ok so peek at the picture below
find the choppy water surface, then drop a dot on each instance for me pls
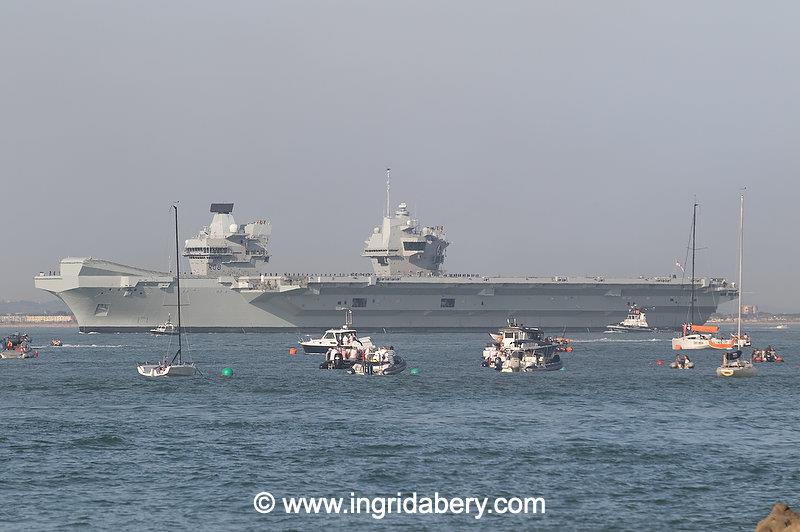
(613, 441)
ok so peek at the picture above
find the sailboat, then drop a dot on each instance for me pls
(694, 336)
(732, 363)
(175, 367)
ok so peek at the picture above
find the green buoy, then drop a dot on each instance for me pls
(414, 371)
(226, 372)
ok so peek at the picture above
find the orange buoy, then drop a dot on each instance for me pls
(292, 351)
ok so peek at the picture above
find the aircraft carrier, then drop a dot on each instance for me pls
(228, 289)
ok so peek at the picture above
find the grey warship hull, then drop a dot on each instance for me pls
(110, 297)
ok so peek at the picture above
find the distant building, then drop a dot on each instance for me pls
(749, 310)
(41, 319)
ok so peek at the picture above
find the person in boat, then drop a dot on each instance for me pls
(733, 356)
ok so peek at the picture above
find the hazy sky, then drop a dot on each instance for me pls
(547, 137)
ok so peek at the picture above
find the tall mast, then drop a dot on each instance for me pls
(178, 278)
(388, 181)
(694, 251)
(741, 253)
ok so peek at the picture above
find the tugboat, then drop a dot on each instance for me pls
(383, 361)
(517, 348)
(345, 336)
(17, 346)
(165, 328)
(635, 322)
(767, 354)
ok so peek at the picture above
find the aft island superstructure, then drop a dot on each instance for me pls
(229, 290)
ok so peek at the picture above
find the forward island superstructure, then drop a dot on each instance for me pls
(229, 289)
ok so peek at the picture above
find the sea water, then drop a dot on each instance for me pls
(614, 441)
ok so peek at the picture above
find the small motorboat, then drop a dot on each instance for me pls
(734, 366)
(166, 328)
(681, 362)
(539, 362)
(16, 346)
(344, 358)
(383, 361)
(55, 342)
(345, 336)
(767, 354)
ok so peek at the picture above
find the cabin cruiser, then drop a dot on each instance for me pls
(734, 366)
(682, 361)
(345, 336)
(518, 348)
(383, 361)
(55, 342)
(17, 346)
(635, 322)
(767, 354)
(165, 328)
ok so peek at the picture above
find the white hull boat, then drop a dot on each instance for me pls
(167, 370)
(690, 342)
(732, 363)
(383, 362)
(743, 369)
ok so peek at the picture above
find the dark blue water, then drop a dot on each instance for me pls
(613, 442)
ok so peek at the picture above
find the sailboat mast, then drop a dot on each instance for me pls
(741, 254)
(694, 251)
(178, 280)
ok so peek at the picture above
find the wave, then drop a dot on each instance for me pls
(78, 346)
(619, 340)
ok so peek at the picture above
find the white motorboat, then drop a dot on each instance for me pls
(165, 328)
(518, 348)
(175, 367)
(636, 321)
(383, 361)
(342, 337)
(732, 363)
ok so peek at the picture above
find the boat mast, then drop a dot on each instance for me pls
(694, 251)
(178, 280)
(741, 253)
